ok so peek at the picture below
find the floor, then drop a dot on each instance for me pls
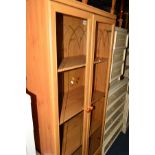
(120, 146)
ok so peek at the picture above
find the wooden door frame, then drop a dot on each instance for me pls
(68, 10)
(105, 20)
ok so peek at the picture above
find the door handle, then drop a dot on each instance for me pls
(90, 108)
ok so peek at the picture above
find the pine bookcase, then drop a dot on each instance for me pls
(69, 46)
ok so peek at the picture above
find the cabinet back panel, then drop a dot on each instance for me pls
(100, 74)
(71, 92)
(71, 135)
(95, 141)
(97, 115)
(71, 36)
(70, 80)
(103, 38)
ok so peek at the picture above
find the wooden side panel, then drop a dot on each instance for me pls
(38, 72)
(42, 63)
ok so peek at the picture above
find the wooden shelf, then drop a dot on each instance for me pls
(97, 95)
(100, 60)
(72, 63)
(73, 103)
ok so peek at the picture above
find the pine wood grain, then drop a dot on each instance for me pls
(72, 104)
(72, 135)
(74, 62)
(100, 60)
(88, 8)
(40, 77)
(95, 141)
(96, 115)
(97, 95)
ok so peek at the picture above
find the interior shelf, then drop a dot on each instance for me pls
(73, 62)
(72, 104)
(100, 60)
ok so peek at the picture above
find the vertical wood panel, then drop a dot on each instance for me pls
(90, 60)
(54, 79)
(38, 70)
(108, 78)
(85, 1)
(107, 69)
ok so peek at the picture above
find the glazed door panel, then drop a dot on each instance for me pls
(71, 32)
(100, 76)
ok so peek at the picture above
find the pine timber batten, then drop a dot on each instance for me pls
(53, 77)
(85, 7)
(92, 47)
(113, 7)
(87, 100)
(85, 1)
(107, 81)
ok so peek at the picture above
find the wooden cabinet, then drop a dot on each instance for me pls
(69, 48)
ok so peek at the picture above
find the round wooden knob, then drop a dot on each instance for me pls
(89, 109)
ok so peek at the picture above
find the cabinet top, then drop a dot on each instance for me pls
(85, 7)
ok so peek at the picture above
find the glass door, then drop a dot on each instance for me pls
(101, 61)
(72, 53)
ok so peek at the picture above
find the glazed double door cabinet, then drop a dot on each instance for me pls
(69, 46)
